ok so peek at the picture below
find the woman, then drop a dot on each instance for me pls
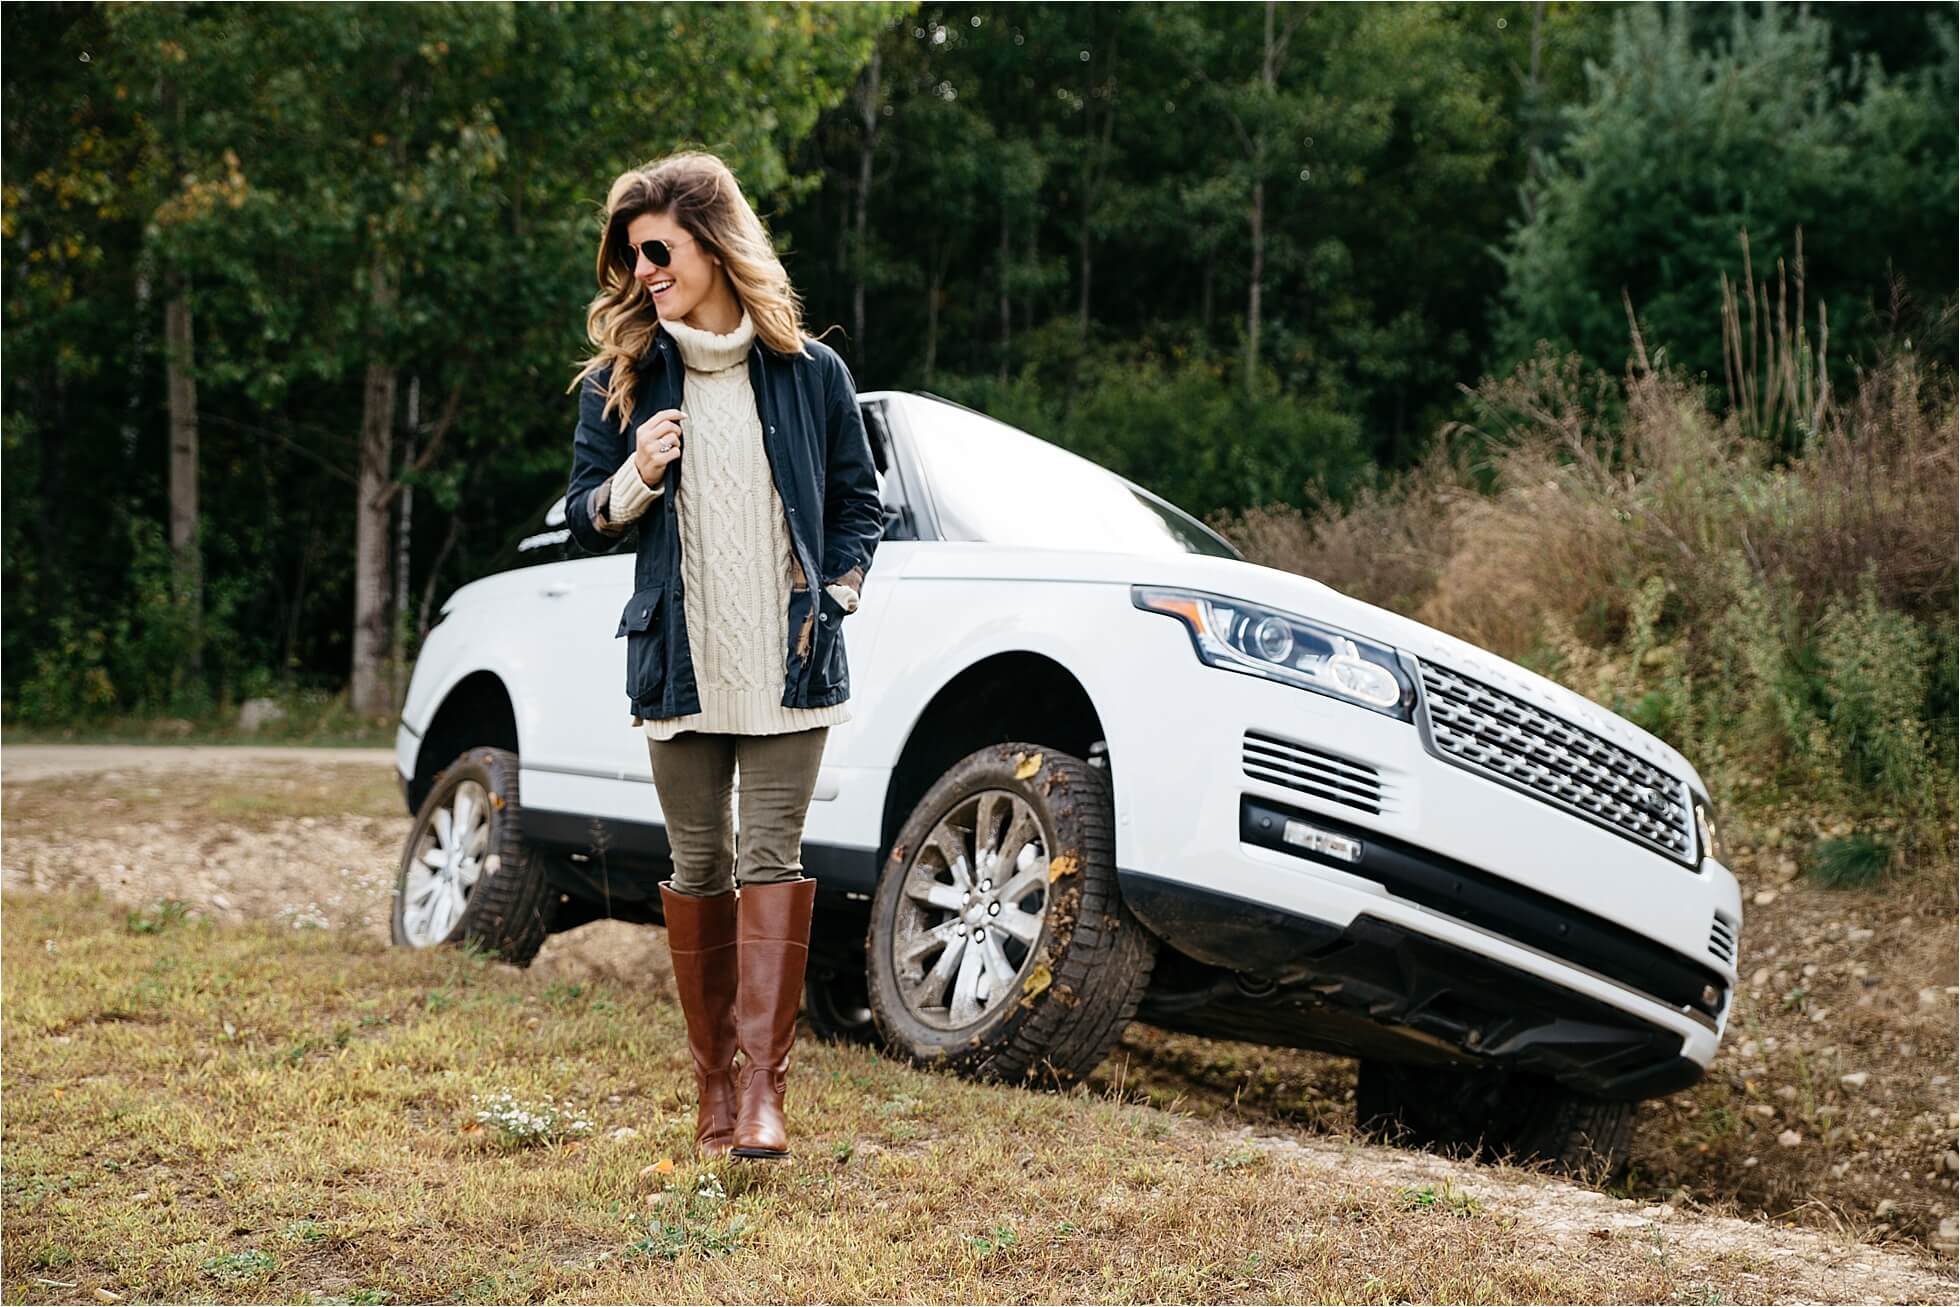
(732, 664)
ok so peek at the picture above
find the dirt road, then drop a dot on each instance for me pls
(311, 837)
(39, 762)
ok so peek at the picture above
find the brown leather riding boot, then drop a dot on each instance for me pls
(773, 946)
(701, 936)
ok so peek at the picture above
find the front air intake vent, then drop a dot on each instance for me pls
(1317, 772)
(1722, 939)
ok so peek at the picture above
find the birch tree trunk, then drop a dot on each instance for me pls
(404, 539)
(187, 562)
(1006, 303)
(868, 120)
(1268, 81)
(180, 387)
(368, 691)
(1095, 159)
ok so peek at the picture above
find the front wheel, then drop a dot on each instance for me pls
(466, 873)
(1493, 1115)
(999, 944)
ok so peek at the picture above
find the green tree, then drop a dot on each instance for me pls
(1678, 148)
(376, 199)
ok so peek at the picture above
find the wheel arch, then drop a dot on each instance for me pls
(1012, 695)
(477, 710)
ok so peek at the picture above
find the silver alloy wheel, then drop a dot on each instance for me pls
(448, 861)
(974, 901)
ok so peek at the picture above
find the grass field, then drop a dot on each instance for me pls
(206, 1112)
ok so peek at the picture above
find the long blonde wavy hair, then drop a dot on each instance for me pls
(697, 191)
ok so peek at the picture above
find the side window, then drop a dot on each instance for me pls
(546, 538)
(900, 521)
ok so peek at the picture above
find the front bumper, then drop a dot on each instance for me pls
(1378, 988)
(1602, 955)
(1413, 981)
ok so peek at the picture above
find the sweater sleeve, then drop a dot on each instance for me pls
(599, 446)
(630, 494)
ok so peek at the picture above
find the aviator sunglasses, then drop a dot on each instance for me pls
(659, 253)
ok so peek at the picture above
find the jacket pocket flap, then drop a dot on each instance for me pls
(639, 610)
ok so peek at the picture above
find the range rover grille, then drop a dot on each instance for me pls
(1494, 732)
(1315, 771)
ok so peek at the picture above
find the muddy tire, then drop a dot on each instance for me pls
(1493, 1115)
(999, 946)
(466, 873)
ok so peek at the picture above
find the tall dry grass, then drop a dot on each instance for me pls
(1781, 611)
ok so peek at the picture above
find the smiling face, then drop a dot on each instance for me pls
(692, 279)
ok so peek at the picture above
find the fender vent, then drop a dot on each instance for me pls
(1722, 939)
(1324, 775)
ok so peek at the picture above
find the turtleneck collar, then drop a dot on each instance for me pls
(708, 351)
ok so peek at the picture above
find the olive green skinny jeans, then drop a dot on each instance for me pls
(694, 776)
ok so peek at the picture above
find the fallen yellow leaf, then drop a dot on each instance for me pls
(1029, 764)
(1037, 980)
(664, 1165)
(1060, 867)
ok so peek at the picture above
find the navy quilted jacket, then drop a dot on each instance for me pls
(821, 461)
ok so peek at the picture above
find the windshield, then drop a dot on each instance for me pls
(996, 483)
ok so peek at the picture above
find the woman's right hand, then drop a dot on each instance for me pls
(657, 443)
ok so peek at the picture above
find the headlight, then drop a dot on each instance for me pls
(1711, 844)
(1246, 637)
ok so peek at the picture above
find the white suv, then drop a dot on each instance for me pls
(1100, 767)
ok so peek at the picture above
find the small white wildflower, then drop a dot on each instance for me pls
(522, 1123)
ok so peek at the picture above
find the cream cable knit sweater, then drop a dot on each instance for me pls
(736, 555)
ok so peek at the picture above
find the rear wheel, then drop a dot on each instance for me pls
(1493, 1115)
(466, 873)
(837, 1002)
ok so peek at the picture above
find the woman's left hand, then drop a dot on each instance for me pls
(845, 589)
